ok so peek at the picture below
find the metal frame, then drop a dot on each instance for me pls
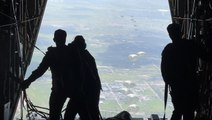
(19, 26)
(195, 16)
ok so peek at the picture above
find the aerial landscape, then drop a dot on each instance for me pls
(125, 37)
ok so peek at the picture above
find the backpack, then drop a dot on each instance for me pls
(124, 115)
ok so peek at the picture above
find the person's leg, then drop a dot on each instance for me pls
(82, 108)
(94, 111)
(71, 111)
(177, 104)
(93, 106)
(56, 102)
(188, 114)
(191, 103)
(176, 114)
(77, 105)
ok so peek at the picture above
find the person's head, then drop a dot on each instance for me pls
(174, 31)
(60, 37)
(80, 42)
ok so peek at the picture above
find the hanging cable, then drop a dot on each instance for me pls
(30, 107)
(29, 20)
(194, 19)
(16, 23)
(7, 15)
(39, 49)
(33, 35)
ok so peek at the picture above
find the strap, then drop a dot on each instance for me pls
(100, 116)
(165, 100)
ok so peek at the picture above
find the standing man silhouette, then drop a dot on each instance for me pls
(91, 84)
(179, 71)
(63, 62)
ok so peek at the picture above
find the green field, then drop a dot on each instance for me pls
(139, 91)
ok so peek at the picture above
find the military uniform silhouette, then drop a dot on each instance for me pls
(179, 70)
(63, 62)
(91, 84)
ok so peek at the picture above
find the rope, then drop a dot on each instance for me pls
(30, 107)
(6, 15)
(39, 49)
(16, 23)
(194, 19)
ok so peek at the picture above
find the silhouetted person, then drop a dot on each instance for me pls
(91, 84)
(63, 62)
(179, 70)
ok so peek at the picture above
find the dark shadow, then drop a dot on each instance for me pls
(179, 68)
(90, 88)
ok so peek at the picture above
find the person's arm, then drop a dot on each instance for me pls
(165, 65)
(93, 68)
(38, 72)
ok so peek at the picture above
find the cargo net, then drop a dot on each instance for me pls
(195, 16)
